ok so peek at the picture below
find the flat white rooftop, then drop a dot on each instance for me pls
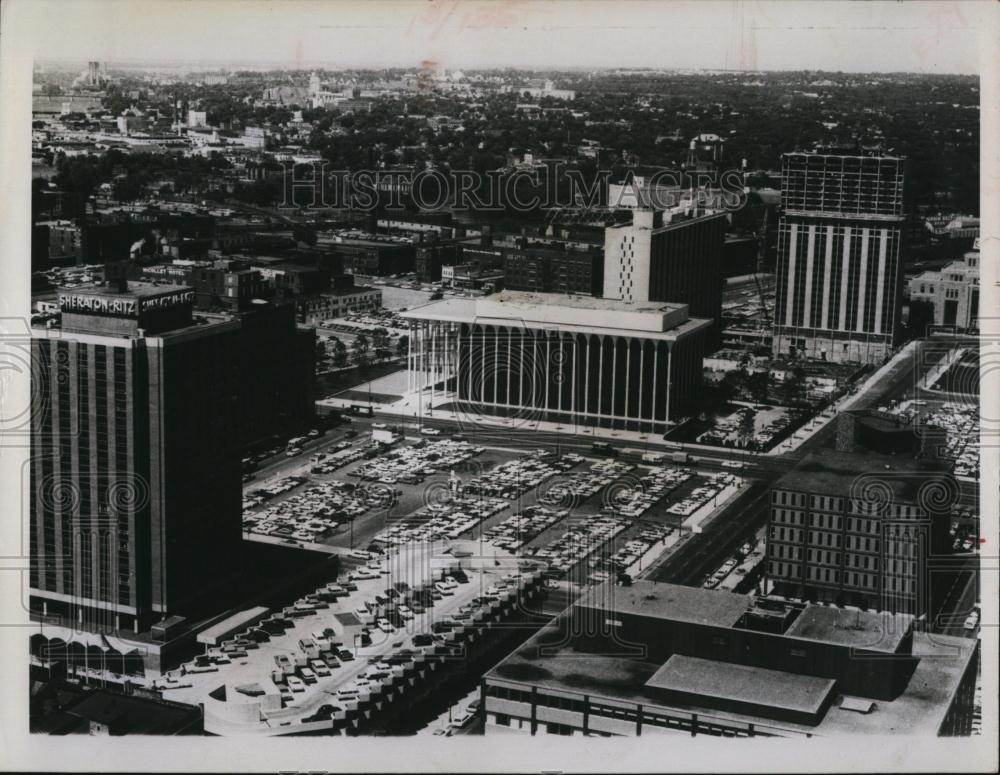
(583, 314)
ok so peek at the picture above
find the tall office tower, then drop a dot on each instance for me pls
(673, 256)
(95, 74)
(279, 400)
(840, 241)
(136, 492)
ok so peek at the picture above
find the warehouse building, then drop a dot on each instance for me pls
(655, 658)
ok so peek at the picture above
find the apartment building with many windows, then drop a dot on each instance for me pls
(856, 529)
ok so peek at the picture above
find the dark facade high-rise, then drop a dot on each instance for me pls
(840, 255)
(135, 473)
(280, 360)
(674, 257)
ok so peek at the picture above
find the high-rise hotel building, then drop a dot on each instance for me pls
(135, 470)
(840, 242)
(672, 256)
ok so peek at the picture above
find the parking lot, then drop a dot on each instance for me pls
(350, 492)
(312, 514)
(711, 492)
(518, 529)
(318, 658)
(960, 422)
(447, 520)
(440, 489)
(514, 478)
(961, 425)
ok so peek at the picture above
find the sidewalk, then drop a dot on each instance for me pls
(940, 368)
(414, 407)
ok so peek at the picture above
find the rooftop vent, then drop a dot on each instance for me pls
(857, 705)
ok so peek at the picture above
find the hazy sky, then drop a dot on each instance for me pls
(938, 37)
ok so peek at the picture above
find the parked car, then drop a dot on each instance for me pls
(319, 667)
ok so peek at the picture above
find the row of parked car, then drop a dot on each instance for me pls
(963, 538)
(657, 484)
(341, 454)
(515, 531)
(241, 643)
(278, 487)
(961, 425)
(573, 489)
(579, 540)
(699, 496)
(388, 611)
(441, 521)
(730, 566)
(629, 553)
(311, 514)
(318, 657)
(411, 464)
(394, 603)
(515, 477)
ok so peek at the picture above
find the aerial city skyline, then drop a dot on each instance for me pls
(474, 373)
(883, 37)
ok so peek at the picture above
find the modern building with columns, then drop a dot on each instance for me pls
(840, 255)
(578, 360)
